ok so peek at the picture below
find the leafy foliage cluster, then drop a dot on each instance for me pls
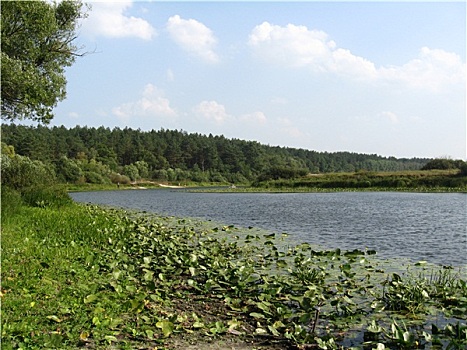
(412, 180)
(100, 155)
(99, 278)
(446, 164)
(36, 46)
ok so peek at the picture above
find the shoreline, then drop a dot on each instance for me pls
(134, 273)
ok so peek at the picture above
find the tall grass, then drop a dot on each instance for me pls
(46, 196)
(11, 202)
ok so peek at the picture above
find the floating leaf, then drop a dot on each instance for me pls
(167, 327)
(198, 324)
(90, 298)
(111, 338)
(148, 276)
(149, 333)
(273, 331)
(131, 289)
(281, 263)
(116, 274)
(54, 318)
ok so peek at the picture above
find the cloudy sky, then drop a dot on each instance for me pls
(368, 77)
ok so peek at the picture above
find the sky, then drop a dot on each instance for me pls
(386, 78)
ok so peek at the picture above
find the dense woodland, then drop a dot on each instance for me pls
(100, 155)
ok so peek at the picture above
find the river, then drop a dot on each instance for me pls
(415, 226)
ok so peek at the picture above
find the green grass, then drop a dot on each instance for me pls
(419, 181)
(84, 276)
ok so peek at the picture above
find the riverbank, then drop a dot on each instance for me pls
(436, 181)
(86, 276)
(406, 181)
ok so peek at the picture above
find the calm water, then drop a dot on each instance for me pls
(418, 226)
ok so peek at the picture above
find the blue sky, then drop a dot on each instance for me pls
(368, 77)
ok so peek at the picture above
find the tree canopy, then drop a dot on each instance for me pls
(99, 154)
(37, 43)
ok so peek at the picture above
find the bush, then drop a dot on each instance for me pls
(217, 177)
(441, 164)
(95, 178)
(20, 172)
(46, 197)
(116, 178)
(67, 170)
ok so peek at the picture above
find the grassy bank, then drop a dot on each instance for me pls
(77, 276)
(418, 181)
(405, 181)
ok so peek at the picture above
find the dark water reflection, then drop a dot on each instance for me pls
(418, 226)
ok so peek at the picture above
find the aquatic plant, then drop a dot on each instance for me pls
(84, 275)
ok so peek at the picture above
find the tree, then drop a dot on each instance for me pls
(440, 163)
(67, 170)
(20, 172)
(36, 45)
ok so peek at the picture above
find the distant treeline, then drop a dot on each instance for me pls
(100, 155)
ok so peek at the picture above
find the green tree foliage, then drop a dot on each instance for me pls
(37, 44)
(131, 171)
(68, 170)
(20, 172)
(444, 164)
(118, 155)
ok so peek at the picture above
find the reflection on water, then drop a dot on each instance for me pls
(418, 226)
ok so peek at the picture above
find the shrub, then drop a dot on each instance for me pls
(95, 178)
(67, 170)
(440, 163)
(20, 172)
(116, 178)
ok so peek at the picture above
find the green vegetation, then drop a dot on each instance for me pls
(37, 45)
(103, 156)
(83, 156)
(76, 276)
(422, 180)
(83, 276)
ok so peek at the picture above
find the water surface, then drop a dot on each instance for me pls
(417, 226)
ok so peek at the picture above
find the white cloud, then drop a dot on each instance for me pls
(212, 111)
(297, 47)
(193, 37)
(107, 18)
(151, 104)
(292, 45)
(433, 69)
